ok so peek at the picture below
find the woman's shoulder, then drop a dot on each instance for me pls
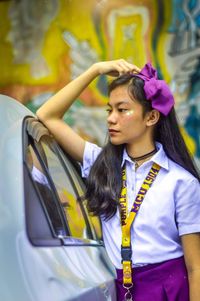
(91, 152)
(92, 149)
(174, 169)
(180, 173)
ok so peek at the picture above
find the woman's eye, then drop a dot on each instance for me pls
(122, 110)
(108, 111)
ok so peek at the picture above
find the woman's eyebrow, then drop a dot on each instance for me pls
(119, 103)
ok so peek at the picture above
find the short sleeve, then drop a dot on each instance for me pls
(188, 207)
(91, 152)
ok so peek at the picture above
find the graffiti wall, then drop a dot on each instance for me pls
(45, 44)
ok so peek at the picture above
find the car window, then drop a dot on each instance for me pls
(93, 220)
(72, 207)
(46, 193)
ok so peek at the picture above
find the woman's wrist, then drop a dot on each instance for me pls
(95, 70)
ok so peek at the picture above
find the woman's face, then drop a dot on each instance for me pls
(126, 121)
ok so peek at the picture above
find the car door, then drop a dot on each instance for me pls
(68, 258)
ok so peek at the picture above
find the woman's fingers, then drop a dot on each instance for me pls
(116, 67)
(124, 67)
(128, 67)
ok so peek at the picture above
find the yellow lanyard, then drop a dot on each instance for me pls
(127, 220)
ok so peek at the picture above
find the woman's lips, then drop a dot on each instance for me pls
(111, 131)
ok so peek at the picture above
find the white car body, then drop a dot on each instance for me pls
(65, 268)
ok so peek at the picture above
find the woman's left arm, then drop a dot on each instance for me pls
(191, 249)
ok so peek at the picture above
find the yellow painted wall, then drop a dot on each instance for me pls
(47, 43)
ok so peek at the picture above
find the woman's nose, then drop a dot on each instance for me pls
(112, 117)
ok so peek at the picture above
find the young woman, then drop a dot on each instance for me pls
(143, 183)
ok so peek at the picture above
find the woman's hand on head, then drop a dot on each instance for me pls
(116, 67)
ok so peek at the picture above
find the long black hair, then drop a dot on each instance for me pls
(105, 179)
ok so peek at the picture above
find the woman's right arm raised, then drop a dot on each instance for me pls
(51, 113)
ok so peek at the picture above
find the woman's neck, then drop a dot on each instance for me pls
(140, 149)
(141, 153)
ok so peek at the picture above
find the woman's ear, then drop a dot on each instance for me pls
(152, 117)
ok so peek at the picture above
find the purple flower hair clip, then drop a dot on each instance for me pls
(156, 90)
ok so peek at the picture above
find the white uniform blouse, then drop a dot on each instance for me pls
(171, 208)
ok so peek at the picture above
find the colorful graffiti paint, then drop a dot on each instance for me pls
(45, 44)
(184, 52)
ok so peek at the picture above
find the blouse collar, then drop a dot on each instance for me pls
(160, 157)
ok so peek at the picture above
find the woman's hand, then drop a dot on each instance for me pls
(115, 67)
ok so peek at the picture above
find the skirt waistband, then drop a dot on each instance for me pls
(156, 267)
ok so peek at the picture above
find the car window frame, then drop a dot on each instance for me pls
(68, 239)
(81, 183)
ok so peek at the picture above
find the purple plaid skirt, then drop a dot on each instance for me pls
(166, 281)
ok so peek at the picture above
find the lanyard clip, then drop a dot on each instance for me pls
(126, 253)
